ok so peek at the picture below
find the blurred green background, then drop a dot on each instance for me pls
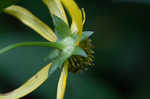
(121, 39)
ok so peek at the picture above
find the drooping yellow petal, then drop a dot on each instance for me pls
(32, 21)
(76, 16)
(56, 8)
(84, 16)
(29, 86)
(62, 82)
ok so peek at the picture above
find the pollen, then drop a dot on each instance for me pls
(80, 63)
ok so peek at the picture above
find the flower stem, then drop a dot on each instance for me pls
(27, 44)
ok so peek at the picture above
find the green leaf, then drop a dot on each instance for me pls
(61, 28)
(6, 3)
(79, 51)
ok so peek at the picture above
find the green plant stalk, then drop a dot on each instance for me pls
(27, 44)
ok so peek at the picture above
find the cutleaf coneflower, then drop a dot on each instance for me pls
(72, 46)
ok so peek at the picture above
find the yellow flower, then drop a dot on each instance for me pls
(72, 55)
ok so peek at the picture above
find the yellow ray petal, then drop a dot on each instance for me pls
(84, 16)
(56, 9)
(62, 82)
(32, 84)
(76, 16)
(32, 21)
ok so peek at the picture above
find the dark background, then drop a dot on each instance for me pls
(121, 40)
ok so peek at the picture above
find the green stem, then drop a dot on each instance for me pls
(24, 44)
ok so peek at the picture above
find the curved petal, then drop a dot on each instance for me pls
(32, 21)
(84, 16)
(56, 8)
(32, 84)
(76, 16)
(62, 82)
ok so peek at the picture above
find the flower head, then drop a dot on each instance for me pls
(73, 50)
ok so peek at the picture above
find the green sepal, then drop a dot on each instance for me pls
(61, 28)
(53, 54)
(57, 63)
(86, 34)
(79, 51)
